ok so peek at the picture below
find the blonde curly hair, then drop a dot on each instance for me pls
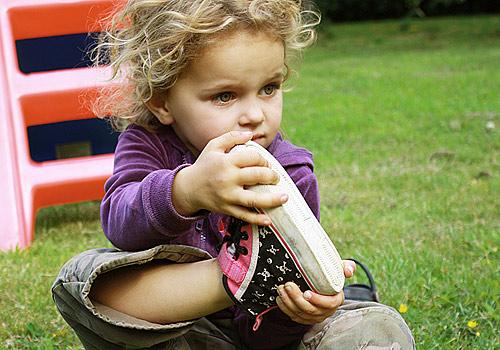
(148, 43)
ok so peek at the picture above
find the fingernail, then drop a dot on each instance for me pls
(246, 133)
(307, 294)
(267, 222)
(284, 198)
(350, 269)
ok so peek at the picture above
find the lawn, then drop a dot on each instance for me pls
(404, 128)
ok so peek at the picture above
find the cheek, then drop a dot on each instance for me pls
(275, 111)
(203, 133)
(209, 128)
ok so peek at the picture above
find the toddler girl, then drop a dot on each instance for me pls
(201, 76)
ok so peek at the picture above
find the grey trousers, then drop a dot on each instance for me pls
(355, 325)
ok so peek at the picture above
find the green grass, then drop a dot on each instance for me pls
(408, 173)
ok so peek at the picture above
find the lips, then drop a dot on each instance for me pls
(257, 136)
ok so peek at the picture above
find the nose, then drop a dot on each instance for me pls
(252, 113)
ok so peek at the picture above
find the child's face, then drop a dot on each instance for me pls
(234, 85)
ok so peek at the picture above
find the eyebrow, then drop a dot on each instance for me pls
(230, 85)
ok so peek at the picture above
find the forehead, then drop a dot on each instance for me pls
(238, 55)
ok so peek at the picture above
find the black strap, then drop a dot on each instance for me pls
(362, 292)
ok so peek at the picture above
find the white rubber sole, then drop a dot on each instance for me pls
(299, 230)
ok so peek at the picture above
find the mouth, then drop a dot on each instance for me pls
(257, 136)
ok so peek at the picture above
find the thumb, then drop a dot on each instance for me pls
(228, 140)
(349, 268)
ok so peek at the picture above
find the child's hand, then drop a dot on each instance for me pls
(217, 180)
(310, 307)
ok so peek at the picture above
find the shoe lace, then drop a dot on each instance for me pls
(233, 237)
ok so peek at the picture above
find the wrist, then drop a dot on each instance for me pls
(182, 188)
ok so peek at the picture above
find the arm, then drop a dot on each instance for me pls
(137, 210)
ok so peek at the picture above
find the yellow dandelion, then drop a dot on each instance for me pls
(403, 308)
(472, 324)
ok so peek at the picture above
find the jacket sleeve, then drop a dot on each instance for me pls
(137, 210)
(277, 329)
(307, 183)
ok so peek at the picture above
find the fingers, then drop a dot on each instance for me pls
(228, 140)
(243, 206)
(253, 167)
(247, 157)
(328, 302)
(247, 201)
(349, 268)
(292, 302)
(226, 176)
(248, 215)
(258, 175)
(251, 199)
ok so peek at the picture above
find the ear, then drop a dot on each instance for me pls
(159, 107)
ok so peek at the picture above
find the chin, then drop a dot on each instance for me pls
(263, 141)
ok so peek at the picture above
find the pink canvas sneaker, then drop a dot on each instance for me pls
(255, 260)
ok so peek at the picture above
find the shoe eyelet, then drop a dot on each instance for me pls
(244, 236)
(244, 250)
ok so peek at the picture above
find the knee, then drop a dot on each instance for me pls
(362, 325)
(383, 328)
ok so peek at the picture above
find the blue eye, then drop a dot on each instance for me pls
(270, 89)
(224, 97)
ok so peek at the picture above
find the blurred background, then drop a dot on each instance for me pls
(358, 10)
